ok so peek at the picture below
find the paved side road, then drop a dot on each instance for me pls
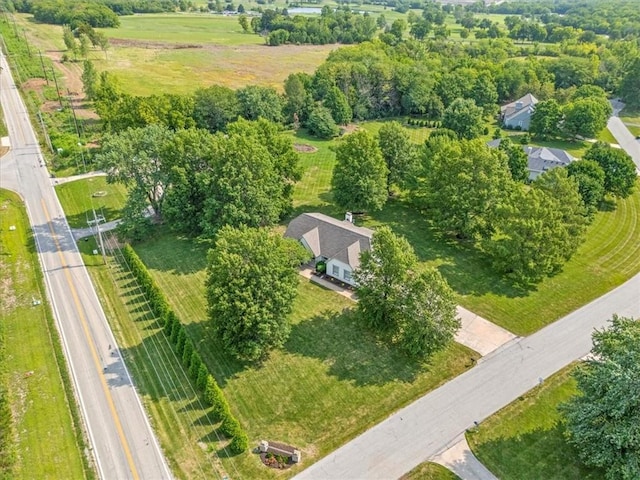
(432, 424)
(622, 134)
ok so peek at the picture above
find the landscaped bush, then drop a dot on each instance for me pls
(187, 351)
(196, 368)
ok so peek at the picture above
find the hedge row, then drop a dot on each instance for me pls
(197, 369)
(424, 123)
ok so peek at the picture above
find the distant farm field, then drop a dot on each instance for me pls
(147, 54)
(179, 53)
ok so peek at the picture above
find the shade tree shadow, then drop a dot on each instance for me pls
(81, 219)
(352, 353)
(167, 251)
(534, 455)
(463, 266)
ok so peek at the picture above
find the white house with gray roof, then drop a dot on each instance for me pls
(518, 113)
(336, 242)
(541, 159)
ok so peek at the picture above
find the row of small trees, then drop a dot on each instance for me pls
(187, 352)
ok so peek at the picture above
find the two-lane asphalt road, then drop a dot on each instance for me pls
(122, 441)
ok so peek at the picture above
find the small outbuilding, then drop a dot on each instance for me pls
(337, 243)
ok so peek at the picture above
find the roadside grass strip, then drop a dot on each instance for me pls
(79, 196)
(186, 427)
(331, 381)
(430, 471)
(48, 442)
(525, 440)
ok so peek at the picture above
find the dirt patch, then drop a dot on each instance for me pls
(347, 129)
(73, 88)
(34, 84)
(304, 148)
(7, 292)
(154, 45)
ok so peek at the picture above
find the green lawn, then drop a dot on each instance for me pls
(606, 136)
(331, 381)
(525, 440)
(80, 197)
(635, 130)
(183, 28)
(430, 471)
(629, 115)
(48, 445)
(609, 256)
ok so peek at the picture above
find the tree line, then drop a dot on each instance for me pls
(96, 13)
(479, 195)
(341, 25)
(376, 80)
(616, 18)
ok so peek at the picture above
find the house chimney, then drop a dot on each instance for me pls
(518, 105)
(348, 217)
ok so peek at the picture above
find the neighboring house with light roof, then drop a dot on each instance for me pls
(338, 243)
(541, 159)
(518, 114)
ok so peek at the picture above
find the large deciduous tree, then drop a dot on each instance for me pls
(251, 285)
(253, 176)
(215, 107)
(546, 118)
(619, 170)
(359, 179)
(137, 158)
(260, 102)
(464, 118)
(537, 229)
(414, 309)
(586, 116)
(398, 152)
(590, 178)
(602, 421)
(462, 184)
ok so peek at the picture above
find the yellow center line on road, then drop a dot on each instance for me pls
(92, 348)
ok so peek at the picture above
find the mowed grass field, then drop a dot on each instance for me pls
(525, 440)
(609, 256)
(80, 197)
(331, 381)
(47, 442)
(430, 471)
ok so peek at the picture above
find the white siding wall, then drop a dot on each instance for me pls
(342, 267)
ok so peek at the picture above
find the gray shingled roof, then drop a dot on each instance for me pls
(528, 102)
(331, 238)
(541, 159)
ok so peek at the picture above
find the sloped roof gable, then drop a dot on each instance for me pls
(510, 109)
(331, 238)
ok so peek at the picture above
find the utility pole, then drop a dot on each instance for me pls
(57, 89)
(45, 133)
(95, 219)
(44, 71)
